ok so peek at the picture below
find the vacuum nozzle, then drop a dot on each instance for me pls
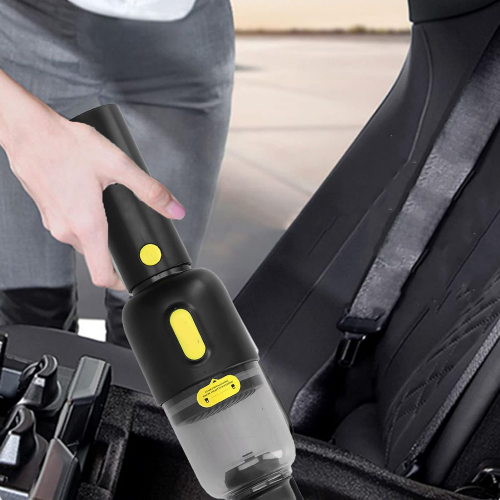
(284, 490)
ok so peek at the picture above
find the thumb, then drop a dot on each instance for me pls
(149, 190)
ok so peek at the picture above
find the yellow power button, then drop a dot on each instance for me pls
(150, 254)
(187, 334)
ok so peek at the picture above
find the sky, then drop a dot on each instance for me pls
(319, 14)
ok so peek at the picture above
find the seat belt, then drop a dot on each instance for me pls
(450, 163)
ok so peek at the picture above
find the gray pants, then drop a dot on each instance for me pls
(173, 82)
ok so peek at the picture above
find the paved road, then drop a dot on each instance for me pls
(298, 104)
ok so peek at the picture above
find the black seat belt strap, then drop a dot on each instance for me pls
(449, 164)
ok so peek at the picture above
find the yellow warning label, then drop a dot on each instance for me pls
(218, 390)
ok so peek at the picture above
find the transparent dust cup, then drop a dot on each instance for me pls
(234, 433)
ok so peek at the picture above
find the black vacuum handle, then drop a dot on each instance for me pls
(131, 223)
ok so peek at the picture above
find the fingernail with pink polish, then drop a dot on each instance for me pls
(175, 210)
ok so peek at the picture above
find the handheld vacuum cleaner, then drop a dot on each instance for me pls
(199, 360)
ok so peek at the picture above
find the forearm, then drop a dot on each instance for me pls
(20, 112)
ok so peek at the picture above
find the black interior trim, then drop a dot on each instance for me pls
(431, 10)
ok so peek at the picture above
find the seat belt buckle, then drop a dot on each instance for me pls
(347, 351)
(356, 331)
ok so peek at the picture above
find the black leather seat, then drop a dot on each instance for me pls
(294, 301)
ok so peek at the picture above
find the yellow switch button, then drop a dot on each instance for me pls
(187, 334)
(150, 254)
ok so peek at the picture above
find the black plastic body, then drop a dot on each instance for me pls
(160, 289)
(131, 223)
(146, 320)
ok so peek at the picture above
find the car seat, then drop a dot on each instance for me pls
(422, 399)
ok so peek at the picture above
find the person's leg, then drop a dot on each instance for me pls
(37, 279)
(173, 82)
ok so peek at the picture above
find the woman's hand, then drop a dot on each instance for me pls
(65, 167)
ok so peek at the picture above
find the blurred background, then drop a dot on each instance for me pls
(309, 75)
(287, 15)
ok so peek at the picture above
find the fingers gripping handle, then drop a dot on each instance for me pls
(142, 242)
